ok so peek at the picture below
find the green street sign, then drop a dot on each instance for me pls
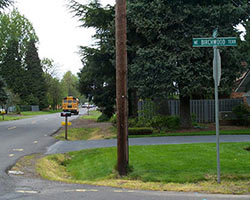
(210, 42)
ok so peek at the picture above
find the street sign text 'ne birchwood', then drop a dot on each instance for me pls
(216, 42)
(210, 42)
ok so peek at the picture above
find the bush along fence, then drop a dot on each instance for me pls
(201, 110)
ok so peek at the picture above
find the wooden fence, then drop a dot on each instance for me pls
(203, 110)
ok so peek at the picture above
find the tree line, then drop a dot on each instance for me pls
(25, 79)
(162, 63)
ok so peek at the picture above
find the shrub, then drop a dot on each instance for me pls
(143, 122)
(193, 117)
(18, 110)
(242, 113)
(140, 131)
(165, 122)
(103, 118)
(113, 120)
(132, 122)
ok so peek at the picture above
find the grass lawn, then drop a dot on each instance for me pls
(10, 117)
(26, 114)
(93, 115)
(185, 167)
(30, 113)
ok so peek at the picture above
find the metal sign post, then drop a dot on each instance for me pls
(66, 127)
(66, 115)
(215, 42)
(216, 83)
(3, 112)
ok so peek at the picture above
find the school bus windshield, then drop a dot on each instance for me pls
(70, 104)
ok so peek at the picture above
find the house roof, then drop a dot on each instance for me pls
(244, 85)
(247, 94)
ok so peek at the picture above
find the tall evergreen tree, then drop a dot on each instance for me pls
(34, 78)
(3, 95)
(97, 77)
(166, 60)
(161, 59)
(5, 3)
(245, 45)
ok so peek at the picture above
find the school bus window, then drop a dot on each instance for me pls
(70, 104)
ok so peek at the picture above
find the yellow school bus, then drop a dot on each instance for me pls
(70, 104)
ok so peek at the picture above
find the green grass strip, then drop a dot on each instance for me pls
(10, 117)
(186, 163)
(93, 115)
(30, 113)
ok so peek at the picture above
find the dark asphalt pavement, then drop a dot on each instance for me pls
(36, 189)
(66, 146)
(23, 137)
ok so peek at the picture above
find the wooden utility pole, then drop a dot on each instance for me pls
(121, 87)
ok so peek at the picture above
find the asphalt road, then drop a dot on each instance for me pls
(24, 137)
(27, 136)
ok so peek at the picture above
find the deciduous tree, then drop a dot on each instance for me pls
(69, 84)
(15, 34)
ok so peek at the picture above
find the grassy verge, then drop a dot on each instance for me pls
(87, 134)
(30, 113)
(78, 134)
(26, 114)
(10, 117)
(93, 115)
(186, 167)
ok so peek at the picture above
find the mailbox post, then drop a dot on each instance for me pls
(3, 112)
(66, 115)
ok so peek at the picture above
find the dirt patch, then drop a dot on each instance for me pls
(247, 148)
(27, 165)
(86, 123)
(104, 128)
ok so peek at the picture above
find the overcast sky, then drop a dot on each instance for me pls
(59, 34)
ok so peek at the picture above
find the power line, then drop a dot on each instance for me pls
(240, 7)
(243, 3)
